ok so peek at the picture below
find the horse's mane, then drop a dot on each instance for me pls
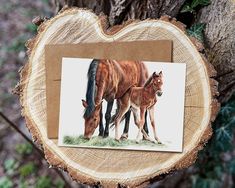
(148, 81)
(91, 88)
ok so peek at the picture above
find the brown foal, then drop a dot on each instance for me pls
(141, 99)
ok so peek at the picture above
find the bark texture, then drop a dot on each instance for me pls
(219, 17)
(119, 11)
(219, 34)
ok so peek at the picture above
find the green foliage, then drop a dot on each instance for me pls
(190, 6)
(10, 165)
(44, 182)
(5, 182)
(59, 183)
(24, 149)
(211, 164)
(106, 142)
(45, 1)
(197, 31)
(23, 184)
(31, 28)
(198, 182)
(27, 169)
(18, 44)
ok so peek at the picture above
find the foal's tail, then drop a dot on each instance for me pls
(113, 118)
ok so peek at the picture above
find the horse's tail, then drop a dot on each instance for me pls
(112, 121)
(91, 87)
(113, 118)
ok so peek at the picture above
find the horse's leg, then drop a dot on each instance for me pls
(145, 124)
(101, 128)
(141, 124)
(127, 123)
(151, 115)
(124, 106)
(137, 122)
(108, 118)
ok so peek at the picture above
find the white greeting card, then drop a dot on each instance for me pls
(135, 105)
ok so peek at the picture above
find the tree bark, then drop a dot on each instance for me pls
(219, 34)
(219, 17)
(119, 11)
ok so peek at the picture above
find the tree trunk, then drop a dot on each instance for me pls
(219, 34)
(219, 17)
(119, 11)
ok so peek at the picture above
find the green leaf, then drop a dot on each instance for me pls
(59, 183)
(24, 149)
(27, 169)
(223, 134)
(18, 44)
(23, 183)
(197, 31)
(196, 3)
(10, 165)
(5, 182)
(187, 8)
(44, 182)
(31, 27)
(231, 166)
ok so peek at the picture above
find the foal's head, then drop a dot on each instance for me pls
(92, 119)
(157, 82)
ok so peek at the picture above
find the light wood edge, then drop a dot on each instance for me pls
(58, 162)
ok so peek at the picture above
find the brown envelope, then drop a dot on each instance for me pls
(160, 50)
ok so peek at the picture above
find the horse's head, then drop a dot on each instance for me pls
(91, 120)
(157, 82)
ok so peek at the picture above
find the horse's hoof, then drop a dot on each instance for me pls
(117, 140)
(106, 135)
(101, 134)
(124, 136)
(137, 141)
(154, 141)
(158, 142)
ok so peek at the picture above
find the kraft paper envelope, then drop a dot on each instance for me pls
(160, 50)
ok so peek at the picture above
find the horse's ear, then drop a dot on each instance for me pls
(154, 74)
(84, 103)
(160, 73)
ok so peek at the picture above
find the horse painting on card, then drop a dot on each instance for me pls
(109, 80)
(122, 104)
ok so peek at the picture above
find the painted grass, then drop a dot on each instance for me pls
(105, 142)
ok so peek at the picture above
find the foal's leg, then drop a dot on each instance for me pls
(145, 124)
(101, 128)
(141, 124)
(127, 123)
(151, 115)
(124, 106)
(108, 118)
(137, 122)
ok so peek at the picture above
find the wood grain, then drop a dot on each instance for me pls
(112, 167)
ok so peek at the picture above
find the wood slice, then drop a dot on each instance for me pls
(113, 167)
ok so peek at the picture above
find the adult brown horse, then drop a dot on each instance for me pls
(109, 80)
